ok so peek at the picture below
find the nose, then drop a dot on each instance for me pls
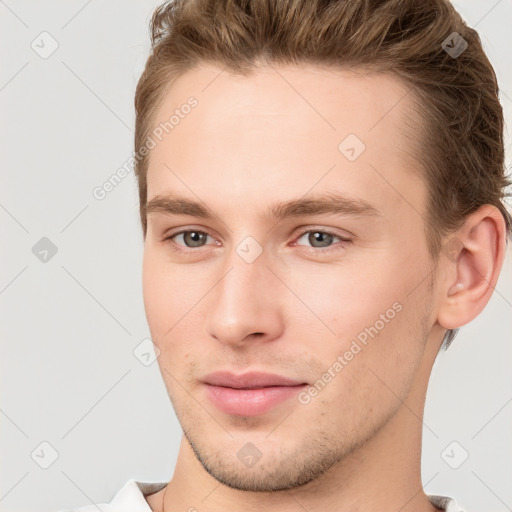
(245, 305)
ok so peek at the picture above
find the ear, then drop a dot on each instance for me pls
(472, 261)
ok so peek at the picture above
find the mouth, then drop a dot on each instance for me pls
(249, 394)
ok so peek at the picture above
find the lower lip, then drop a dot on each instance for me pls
(250, 402)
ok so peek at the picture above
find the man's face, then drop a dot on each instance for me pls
(339, 302)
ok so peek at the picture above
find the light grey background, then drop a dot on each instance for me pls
(69, 326)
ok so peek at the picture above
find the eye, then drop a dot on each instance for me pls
(320, 239)
(191, 238)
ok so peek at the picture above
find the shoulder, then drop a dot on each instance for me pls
(445, 503)
(130, 498)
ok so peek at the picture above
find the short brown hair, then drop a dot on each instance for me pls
(461, 138)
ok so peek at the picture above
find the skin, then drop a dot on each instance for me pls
(252, 142)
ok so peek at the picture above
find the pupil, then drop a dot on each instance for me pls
(317, 237)
(196, 238)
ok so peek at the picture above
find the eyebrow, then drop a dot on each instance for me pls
(329, 203)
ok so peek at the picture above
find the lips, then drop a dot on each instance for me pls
(250, 380)
(251, 393)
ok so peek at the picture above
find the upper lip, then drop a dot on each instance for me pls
(249, 380)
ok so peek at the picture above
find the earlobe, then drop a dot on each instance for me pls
(472, 266)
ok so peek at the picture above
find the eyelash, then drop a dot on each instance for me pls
(188, 250)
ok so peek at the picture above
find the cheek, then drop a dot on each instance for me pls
(160, 294)
(151, 289)
(365, 313)
(343, 301)
(171, 293)
(369, 369)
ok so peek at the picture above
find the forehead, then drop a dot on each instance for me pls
(284, 131)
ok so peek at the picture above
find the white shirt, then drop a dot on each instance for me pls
(131, 498)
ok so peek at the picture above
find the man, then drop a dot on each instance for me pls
(321, 187)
